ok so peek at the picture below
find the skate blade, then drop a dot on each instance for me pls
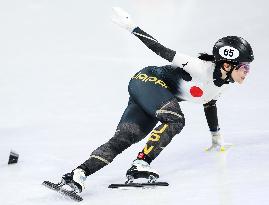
(138, 185)
(58, 188)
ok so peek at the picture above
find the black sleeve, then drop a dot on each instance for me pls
(153, 44)
(210, 109)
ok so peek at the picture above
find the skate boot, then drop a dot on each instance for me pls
(75, 180)
(141, 169)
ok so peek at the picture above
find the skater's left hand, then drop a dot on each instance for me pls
(123, 19)
(218, 143)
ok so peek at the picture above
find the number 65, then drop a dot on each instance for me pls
(229, 52)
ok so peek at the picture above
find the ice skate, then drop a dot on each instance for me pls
(141, 169)
(70, 185)
(75, 180)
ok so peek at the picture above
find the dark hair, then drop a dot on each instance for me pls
(206, 57)
(219, 64)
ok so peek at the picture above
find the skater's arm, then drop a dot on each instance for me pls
(123, 19)
(218, 144)
(210, 110)
(194, 66)
(154, 45)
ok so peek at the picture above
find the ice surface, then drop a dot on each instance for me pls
(63, 86)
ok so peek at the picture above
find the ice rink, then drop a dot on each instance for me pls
(64, 71)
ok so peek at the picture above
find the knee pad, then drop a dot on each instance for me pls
(170, 112)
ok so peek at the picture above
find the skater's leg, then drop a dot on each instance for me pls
(173, 122)
(134, 125)
(157, 100)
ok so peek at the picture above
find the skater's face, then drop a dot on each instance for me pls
(240, 73)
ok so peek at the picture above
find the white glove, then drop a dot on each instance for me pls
(123, 19)
(218, 143)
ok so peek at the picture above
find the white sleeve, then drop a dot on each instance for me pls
(192, 65)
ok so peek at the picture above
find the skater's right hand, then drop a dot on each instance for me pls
(218, 143)
(123, 19)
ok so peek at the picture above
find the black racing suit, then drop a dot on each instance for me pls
(152, 99)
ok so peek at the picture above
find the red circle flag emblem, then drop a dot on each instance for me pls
(196, 91)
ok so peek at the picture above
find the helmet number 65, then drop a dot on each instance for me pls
(228, 52)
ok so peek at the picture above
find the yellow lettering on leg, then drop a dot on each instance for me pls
(147, 150)
(155, 134)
